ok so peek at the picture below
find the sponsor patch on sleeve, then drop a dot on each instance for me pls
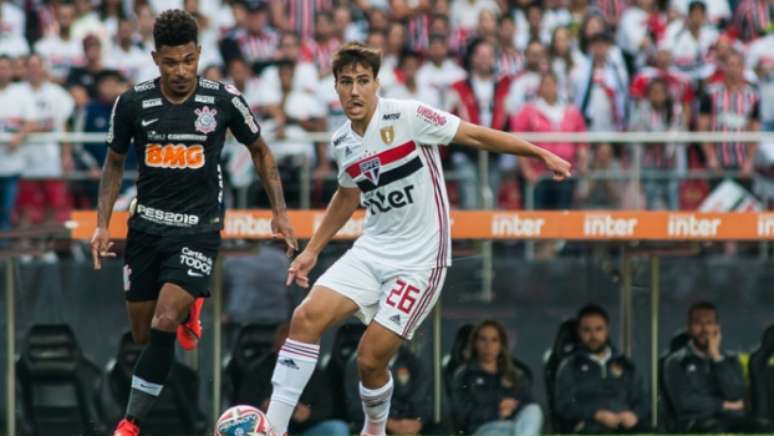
(430, 115)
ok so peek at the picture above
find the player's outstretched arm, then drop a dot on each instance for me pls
(344, 203)
(272, 183)
(502, 142)
(109, 185)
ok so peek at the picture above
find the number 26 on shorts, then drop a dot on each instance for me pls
(403, 296)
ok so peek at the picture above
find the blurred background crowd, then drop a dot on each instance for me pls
(516, 65)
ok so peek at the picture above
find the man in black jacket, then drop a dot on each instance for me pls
(597, 389)
(705, 384)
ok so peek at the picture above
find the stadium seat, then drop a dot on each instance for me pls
(177, 411)
(58, 385)
(345, 344)
(565, 343)
(667, 413)
(254, 341)
(457, 355)
(762, 377)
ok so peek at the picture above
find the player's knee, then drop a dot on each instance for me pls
(305, 325)
(368, 363)
(165, 320)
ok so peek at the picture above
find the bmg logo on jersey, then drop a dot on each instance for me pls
(377, 202)
(174, 156)
(198, 264)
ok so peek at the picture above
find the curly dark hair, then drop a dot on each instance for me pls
(175, 27)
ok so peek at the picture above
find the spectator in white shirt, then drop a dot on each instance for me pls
(439, 71)
(15, 119)
(565, 60)
(43, 195)
(407, 87)
(128, 58)
(718, 11)
(690, 40)
(12, 19)
(603, 87)
(464, 13)
(62, 51)
(524, 86)
(637, 30)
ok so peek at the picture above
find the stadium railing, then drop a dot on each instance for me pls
(484, 225)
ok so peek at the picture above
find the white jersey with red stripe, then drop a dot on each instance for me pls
(397, 167)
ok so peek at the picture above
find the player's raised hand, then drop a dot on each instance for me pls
(299, 269)
(100, 246)
(560, 167)
(281, 229)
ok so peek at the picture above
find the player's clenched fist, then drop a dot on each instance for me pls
(299, 269)
(100, 246)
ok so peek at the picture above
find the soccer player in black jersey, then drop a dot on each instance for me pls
(178, 124)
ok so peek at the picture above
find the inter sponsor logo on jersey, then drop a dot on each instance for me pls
(391, 117)
(690, 226)
(205, 120)
(606, 225)
(246, 114)
(431, 116)
(153, 102)
(174, 156)
(144, 86)
(207, 99)
(209, 84)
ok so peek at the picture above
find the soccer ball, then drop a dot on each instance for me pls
(243, 421)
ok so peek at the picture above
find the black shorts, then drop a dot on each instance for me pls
(184, 260)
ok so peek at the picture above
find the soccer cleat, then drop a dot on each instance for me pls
(127, 428)
(189, 332)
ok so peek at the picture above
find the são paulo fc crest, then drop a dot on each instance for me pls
(205, 120)
(370, 169)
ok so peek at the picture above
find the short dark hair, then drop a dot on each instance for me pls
(697, 4)
(593, 309)
(702, 305)
(406, 54)
(175, 27)
(356, 53)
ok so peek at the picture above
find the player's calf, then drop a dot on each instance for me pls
(376, 348)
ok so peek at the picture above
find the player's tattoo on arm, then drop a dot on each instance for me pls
(109, 185)
(267, 170)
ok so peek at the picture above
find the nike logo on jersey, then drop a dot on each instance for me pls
(193, 273)
(146, 123)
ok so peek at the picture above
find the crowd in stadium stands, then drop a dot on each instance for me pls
(516, 65)
(591, 386)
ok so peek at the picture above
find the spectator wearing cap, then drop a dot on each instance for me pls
(718, 11)
(439, 70)
(81, 81)
(256, 42)
(598, 389)
(732, 105)
(603, 87)
(704, 382)
(407, 87)
(479, 99)
(62, 50)
(690, 40)
(43, 195)
(16, 120)
(491, 395)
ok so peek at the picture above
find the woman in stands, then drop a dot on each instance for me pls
(491, 395)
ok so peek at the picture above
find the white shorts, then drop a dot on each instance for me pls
(397, 299)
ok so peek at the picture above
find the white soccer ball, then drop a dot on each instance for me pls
(243, 421)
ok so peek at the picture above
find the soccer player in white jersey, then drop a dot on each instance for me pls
(388, 161)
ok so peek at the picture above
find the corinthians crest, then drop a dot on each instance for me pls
(205, 120)
(388, 134)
